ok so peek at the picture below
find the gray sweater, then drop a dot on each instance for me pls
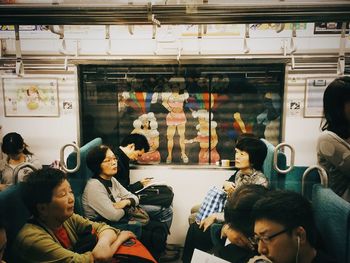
(96, 200)
(333, 155)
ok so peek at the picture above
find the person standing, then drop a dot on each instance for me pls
(333, 145)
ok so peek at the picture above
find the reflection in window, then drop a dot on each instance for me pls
(189, 114)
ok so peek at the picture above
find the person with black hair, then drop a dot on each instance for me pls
(131, 148)
(17, 153)
(52, 234)
(285, 230)
(102, 205)
(249, 158)
(333, 145)
(239, 224)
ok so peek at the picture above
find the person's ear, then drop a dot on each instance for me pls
(301, 234)
(42, 209)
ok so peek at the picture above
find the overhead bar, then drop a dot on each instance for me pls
(114, 14)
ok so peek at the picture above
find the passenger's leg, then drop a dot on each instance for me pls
(196, 238)
(158, 213)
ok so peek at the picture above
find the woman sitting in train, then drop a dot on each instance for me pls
(333, 146)
(107, 205)
(55, 233)
(249, 158)
(17, 153)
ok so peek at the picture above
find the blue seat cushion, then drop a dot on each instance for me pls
(332, 215)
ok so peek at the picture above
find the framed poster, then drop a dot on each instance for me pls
(30, 97)
(314, 96)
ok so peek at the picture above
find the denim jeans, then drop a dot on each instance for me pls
(159, 213)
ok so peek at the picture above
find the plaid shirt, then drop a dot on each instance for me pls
(214, 202)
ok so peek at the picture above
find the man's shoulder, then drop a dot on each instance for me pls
(322, 257)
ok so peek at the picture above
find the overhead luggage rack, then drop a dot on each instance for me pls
(144, 14)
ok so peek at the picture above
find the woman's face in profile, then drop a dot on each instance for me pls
(109, 165)
(62, 204)
(242, 159)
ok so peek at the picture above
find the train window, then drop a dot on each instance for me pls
(183, 110)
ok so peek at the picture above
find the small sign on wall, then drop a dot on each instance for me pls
(314, 96)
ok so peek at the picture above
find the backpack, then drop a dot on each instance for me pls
(161, 195)
(154, 236)
(132, 251)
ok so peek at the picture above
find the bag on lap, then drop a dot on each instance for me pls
(161, 195)
(133, 251)
(214, 202)
(138, 214)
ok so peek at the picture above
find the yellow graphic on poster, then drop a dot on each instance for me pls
(213, 30)
(30, 97)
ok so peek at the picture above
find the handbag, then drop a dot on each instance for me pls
(133, 251)
(138, 214)
(161, 195)
(214, 202)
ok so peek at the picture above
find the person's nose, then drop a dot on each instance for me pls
(71, 198)
(262, 248)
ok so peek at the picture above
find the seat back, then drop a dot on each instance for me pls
(79, 178)
(332, 215)
(275, 178)
(15, 214)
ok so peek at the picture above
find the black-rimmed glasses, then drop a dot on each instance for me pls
(266, 239)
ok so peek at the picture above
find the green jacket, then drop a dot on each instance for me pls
(36, 244)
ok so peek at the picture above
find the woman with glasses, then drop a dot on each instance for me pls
(285, 230)
(109, 205)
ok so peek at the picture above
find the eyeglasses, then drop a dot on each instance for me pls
(266, 239)
(110, 160)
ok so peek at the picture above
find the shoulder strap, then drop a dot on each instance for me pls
(107, 188)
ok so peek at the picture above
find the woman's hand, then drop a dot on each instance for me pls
(229, 187)
(125, 235)
(121, 204)
(207, 222)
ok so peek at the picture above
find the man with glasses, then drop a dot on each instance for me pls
(285, 230)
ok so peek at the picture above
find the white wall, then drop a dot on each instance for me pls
(189, 186)
(46, 135)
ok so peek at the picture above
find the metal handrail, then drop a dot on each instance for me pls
(322, 173)
(292, 158)
(62, 162)
(20, 167)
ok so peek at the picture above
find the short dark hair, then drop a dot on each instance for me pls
(38, 187)
(12, 143)
(335, 96)
(239, 206)
(256, 149)
(287, 208)
(95, 158)
(139, 140)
